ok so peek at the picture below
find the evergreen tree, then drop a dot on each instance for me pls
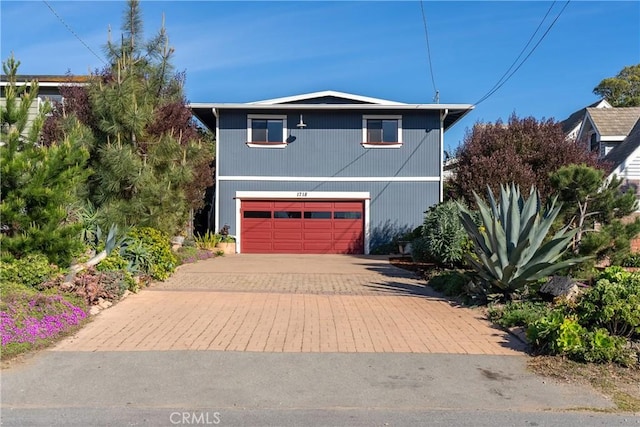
(595, 207)
(40, 184)
(151, 164)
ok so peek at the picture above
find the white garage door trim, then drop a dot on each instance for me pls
(303, 195)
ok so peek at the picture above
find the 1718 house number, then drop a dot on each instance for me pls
(301, 194)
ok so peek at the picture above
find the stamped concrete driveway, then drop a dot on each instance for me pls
(291, 303)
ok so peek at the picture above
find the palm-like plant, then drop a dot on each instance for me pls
(510, 242)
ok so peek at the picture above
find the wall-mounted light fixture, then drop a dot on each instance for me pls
(302, 124)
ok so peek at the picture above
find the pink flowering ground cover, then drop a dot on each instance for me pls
(34, 319)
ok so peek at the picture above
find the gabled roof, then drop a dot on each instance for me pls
(575, 119)
(614, 122)
(328, 101)
(327, 97)
(618, 156)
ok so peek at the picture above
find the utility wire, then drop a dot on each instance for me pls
(496, 88)
(520, 54)
(73, 32)
(426, 35)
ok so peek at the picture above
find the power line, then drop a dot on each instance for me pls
(495, 89)
(520, 54)
(73, 32)
(426, 35)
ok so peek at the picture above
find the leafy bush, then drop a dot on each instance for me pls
(119, 272)
(30, 270)
(138, 256)
(162, 261)
(419, 250)
(631, 260)
(445, 237)
(595, 328)
(450, 283)
(518, 313)
(613, 303)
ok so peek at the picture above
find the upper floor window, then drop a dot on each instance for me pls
(382, 131)
(266, 131)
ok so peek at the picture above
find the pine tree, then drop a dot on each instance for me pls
(149, 159)
(40, 184)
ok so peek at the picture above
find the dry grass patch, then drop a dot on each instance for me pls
(621, 385)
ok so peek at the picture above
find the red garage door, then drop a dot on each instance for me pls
(322, 227)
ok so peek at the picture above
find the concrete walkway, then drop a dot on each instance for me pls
(292, 303)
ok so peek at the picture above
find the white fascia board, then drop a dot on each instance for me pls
(612, 138)
(302, 97)
(587, 117)
(400, 107)
(332, 178)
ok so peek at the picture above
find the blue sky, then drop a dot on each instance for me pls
(245, 51)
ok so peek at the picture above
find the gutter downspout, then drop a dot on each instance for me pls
(216, 190)
(443, 115)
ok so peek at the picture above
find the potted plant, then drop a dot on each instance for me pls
(226, 243)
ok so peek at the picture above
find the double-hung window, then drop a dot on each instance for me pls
(267, 131)
(382, 131)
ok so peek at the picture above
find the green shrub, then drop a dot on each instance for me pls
(601, 347)
(613, 303)
(138, 256)
(114, 262)
(518, 313)
(445, 238)
(631, 260)
(450, 283)
(30, 270)
(419, 251)
(162, 261)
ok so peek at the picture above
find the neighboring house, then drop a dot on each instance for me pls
(571, 125)
(48, 89)
(614, 133)
(325, 172)
(604, 129)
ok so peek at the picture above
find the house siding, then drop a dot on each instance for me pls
(330, 146)
(395, 207)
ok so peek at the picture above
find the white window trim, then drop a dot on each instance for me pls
(366, 144)
(304, 195)
(250, 142)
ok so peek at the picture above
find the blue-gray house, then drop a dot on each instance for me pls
(325, 172)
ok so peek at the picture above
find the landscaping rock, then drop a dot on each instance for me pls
(561, 286)
(125, 294)
(94, 310)
(103, 303)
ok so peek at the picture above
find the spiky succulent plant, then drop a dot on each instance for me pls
(510, 243)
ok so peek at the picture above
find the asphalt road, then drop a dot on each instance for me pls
(290, 389)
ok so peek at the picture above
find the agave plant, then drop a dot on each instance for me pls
(510, 242)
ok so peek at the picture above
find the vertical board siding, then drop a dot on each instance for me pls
(330, 146)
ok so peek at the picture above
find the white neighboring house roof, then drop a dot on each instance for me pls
(326, 93)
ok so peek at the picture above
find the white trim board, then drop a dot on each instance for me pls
(333, 178)
(364, 196)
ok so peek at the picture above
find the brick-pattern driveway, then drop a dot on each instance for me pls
(291, 303)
